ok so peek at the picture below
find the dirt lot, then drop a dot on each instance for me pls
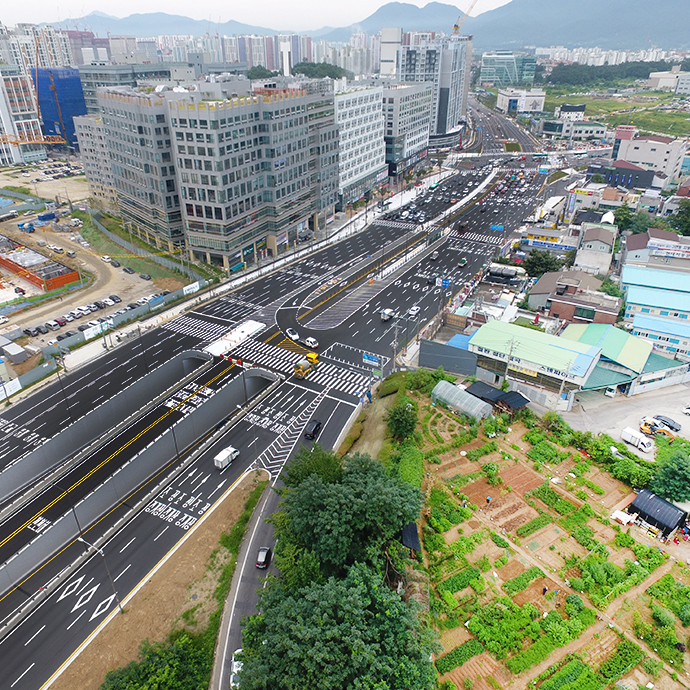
(72, 188)
(161, 601)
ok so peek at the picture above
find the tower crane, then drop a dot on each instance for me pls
(463, 18)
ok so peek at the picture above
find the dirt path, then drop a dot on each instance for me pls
(374, 428)
(178, 586)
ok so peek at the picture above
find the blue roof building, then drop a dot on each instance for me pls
(656, 302)
(669, 335)
(641, 276)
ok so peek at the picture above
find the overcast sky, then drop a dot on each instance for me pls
(295, 15)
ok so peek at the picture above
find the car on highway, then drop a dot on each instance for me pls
(292, 334)
(128, 270)
(311, 431)
(413, 311)
(313, 343)
(263, 558)
(434, 256)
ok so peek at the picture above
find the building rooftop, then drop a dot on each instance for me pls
(658, 234)
(660, 279)
(625, 165)
(654, 137)
(536, 347)
(587, 216)
(658, 299)
(590, 298)
(636, 242)
(549, 281)
(674, 327)
(616, 345)
(607, 235)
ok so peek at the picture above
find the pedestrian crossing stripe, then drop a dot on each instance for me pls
(477, 237)
(205, 331)
(397, 224)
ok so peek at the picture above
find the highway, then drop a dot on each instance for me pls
(347, 329)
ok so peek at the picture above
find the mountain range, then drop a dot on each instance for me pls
(609, 24)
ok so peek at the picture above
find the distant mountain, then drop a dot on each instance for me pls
(609, 24)
(157, 24)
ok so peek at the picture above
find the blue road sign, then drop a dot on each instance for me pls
(543, 171)
(369, 359)
(445, 282)
(497, 227)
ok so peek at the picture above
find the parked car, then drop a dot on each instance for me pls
(62, 320)
(145, 276)
(20, 291)
(42, 329)
(83, 327)
(669, 423)
(115, 264)
(115, 299)
(128, 270)
(3, 319)
(106, 258)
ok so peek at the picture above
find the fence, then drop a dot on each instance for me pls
(160, 260)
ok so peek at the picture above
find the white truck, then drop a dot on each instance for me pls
(637, 439)
(387, 314)
(225, 457)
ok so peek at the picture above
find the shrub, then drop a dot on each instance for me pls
(477, 453)
(575, 600)
(483, 564)
(459, 656)
(663, 616)
(652, 666)
(578, 583)
(533, 525)
(627, 655)
(499, 541)
(500, 562)
(623, 539)
(521, 582)
(411, 466)
(458, 582)
(467, 683)
(552, 499)
(574, 675)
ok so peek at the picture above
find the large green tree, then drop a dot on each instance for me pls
(680, 221)
(672, 479)
(340, 523)
(541, 261)
(342, 634)
(313, 461)
(624, 216)
(402, 420)
(260, 72)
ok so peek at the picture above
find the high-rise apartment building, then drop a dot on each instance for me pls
(26, 44)
(362, 147)
(391, 41)
(445, 63)
(504, 68)
(139, 142)
(407, 110)
(255, 169)
(95, 158)
(19, 117)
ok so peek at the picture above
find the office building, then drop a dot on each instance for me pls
(362, 162)
(504, 68)
(95, 158)
(19, 118)
(86, 48)
(256, 169)
(516, 101)
(649, 151)
(391, 42)
(60, 99)
(139, 143)
(407, 110)
(96, 76)
(445, 64)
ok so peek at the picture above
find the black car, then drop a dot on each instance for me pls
(83, 327)
(312, 429)
(115, 299)
(668, 423)
(19, 291)
(145, 276)
(69, 334)
(127, 269)
(132, 305)
(115, 264)
(26, 331)
(42, 329)
(263, 559)
(35, 332)
(60, 337)
(99, 304)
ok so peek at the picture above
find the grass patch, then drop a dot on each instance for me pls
(555, 176)
(353, 435)
(392, 384)
(18, 190)
(512, 147)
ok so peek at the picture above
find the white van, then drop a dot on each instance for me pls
(225, 457)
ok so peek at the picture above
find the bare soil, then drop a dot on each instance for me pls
(374, 427)
(186, 581)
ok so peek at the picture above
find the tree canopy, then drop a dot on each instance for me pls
(313, 461)
(672, 480)
(319, 70)
(343, 522)
(260, 72)
(541, 261)
(345, 633)
(680, 221)
(402, 420)
(580, 75)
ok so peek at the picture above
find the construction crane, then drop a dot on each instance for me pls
(17, 139)
(463, 18)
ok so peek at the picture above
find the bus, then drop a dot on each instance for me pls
(433, 186)
(540, 156)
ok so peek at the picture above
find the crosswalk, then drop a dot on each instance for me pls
(477, 237)
(399, 224)
(328, 375)
(205, 331)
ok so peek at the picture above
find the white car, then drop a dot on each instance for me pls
(413, 311)
(313, 343)
(3, 319)
(106, 258)
(109, 302)
(686, 409)
(292, 334)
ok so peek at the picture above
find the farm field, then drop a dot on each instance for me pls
(530, 584)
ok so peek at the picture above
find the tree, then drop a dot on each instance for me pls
(628, 471)
(402, 420)
(310, 461)
(680, 220)
(570, 258)
(345, 522)
(624, 217)
(672, 480)
(319, 70)
(349, 633)
(540, 262)
(260, 72)
(597, 178)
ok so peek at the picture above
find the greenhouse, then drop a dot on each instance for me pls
(459, 401)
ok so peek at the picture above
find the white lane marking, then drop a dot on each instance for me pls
(23, 674)
(34, 635)
(161, 534)
(122, 573)
(76, 619)
(127, 544)
(220, 486)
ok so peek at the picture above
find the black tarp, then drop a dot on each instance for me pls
(512, 399)
(657, 511)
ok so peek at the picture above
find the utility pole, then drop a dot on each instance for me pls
(510, 355)
(396, 326)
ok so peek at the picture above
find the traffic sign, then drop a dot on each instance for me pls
(439, 282)
(370, 359)
(497, 227)
(445, 282)
(543, 171)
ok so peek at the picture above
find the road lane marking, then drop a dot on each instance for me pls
(23, 674)
(124, 571)
(76, 619)
(34, 635)
(127, 544)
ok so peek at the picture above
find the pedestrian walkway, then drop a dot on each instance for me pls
(205, 331)
(482, 239)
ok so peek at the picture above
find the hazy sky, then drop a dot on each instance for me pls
(296, 15)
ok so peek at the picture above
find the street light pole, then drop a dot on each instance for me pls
(110, 577)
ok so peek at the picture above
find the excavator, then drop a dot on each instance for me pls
(649, 427)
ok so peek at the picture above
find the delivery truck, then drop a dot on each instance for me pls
(637, 439)
(387, 314)
(225, 457)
